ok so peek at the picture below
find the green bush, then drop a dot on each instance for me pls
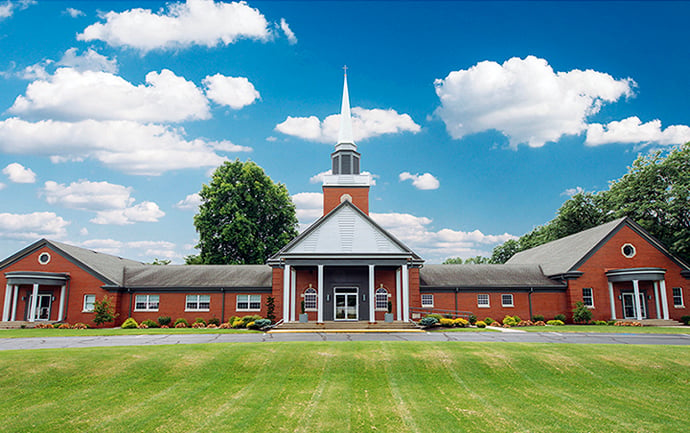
(214, 321)
(560, 317)
(510, 321)
(537, 318)
(472, 319)
(246, 320)
(489, 320)
(150, 323)
(260, 324)
(130, 324)
(555, 322)
(164, 320)
(611, 322)
(200, 320)
(517, 319)
(435, 316)
(685, 319)
(182, 320)
(428, 321)
(581, 314)
(480, 324)
(600, 322)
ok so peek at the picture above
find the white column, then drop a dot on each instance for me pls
(7, 304)
(372, 298)
(293, 294)
(405, 293)
(656, 299)
(612, 302)
(636, 302)
(321, 295)
(398, 295)
(61, 310)
(664, 300)
(14, 303)
(32, 307)
(286, 293)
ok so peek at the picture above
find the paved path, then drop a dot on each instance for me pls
(523, 337)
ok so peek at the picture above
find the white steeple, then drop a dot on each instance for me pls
(345, 137)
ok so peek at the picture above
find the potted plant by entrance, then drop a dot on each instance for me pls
(388, 317)
(303, 317)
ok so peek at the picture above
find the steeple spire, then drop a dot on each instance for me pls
(345, 134)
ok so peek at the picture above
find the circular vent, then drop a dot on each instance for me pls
(628, 250)
(44, 258)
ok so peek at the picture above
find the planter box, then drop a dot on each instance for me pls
(388, 317)
(303, 318)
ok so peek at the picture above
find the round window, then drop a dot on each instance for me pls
(44, 258)
(628, 250)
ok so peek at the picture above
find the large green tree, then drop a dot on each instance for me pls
(244, 217)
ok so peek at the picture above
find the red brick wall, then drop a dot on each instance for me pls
(332, 194)
(387, 278)
(303, 278)
(277, 292)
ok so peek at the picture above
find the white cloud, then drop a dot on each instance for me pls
(35, 72)
(271, 139)
(191, 202)
(143, 212)
(423, 181)
(235, 92)
(83, 231)
(318, 178)
(196, 22)
(17, 173)
(159, 249)
(632, 130)
(7, 9)
(108, 246)
(228, 146)
(365, 124)
(573, 191)
(74, 13)
(2, 186)
(122, 145)
(288, 32)
(524, 99)
(73, 95)
(309, 206)
(88, 61)
(148, 249)
(32, 226)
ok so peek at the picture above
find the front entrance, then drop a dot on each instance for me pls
(346, 304)
(629, 305)
(43, 302)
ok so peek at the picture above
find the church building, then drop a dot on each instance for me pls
(345, 267)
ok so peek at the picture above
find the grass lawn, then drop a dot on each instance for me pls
(27, 333)
(611, 329)
(347, 386)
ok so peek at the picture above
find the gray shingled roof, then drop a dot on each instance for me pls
(484, 276)
(196, 276)
(562, 255)
(108, 266)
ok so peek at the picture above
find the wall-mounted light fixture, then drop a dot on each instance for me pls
(328, 298)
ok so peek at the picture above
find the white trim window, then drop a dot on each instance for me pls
(588, 297)
(507, 300)
(483, 300)
(146, 302)
(311, 302)
(678, 297)
(382, 299)
(89, 302)
(198, 303)
(248, 302)
(427, 301)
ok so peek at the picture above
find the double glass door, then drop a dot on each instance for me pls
(346, 303)
(42, 306)
(629, 306)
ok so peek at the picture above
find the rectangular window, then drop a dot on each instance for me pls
(483, 300)
(427, 301)
(146, 303)
(198, 303)
(507, 300)
(588, 297)
(89, 301)
(248, 302)
(677, 297)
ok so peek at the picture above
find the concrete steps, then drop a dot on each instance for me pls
(18, 324)
(660, 322)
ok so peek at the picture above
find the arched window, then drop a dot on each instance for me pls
(381, 299)
(310, 302)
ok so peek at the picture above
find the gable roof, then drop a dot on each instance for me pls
(105, 267)
(485, 276)
(345, 231)
(198, 276)
(567, 254)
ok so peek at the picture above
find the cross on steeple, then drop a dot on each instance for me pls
(345, 69)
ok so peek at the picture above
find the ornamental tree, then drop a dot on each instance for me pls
(244, 217)
(104, 311)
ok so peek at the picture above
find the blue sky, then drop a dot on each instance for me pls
(476, 119)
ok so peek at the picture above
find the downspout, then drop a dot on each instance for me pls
(66, 310)
(531, 289)
(222, 311)
(130, 301)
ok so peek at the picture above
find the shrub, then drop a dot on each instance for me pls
(560, 317)
(517, 319)
(211, 326)
(525, 323)
(130, 324)
(66, 326)
(259, 324)
(164, 321)
(143, 325)
(224, 326)
(214, 321)
(56, 325)
(445, 322)
(555, 322)
(80, 326)
(600, 322)
(197, 325)
(43, 326)
(537, 318)
(685, 320)
(489, 320)
(510, 321)
(237, 323)
(428, 321)
(473, 319)
(460, 322)
(611, 322)
(539, 323)
(200, 320)
(435, 316)
(270, 309)
(150, 323)
(480, 324)
(104, 311)
(581, 314)
(183, 321)
(232, 319)
(247, 319)
(165, 326)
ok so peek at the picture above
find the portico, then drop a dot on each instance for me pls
(634, 302)
(37, 292)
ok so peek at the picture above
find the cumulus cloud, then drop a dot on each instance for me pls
(632, 130)
(126, 146)
(32, 226)
(309, 206)
(70, 94)
(318, 178)
(8, 7)
(17, 173)
(74, 13)
(235, 92)
(35, 72)
(423, 181)
(196, 22)
(150, 249)
(525, 99)
(365, 124)
(143, 212)
(88, 61)
(288, 32)
(573, 191)
(191, 202)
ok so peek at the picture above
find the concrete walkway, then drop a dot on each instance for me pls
(489, 337)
